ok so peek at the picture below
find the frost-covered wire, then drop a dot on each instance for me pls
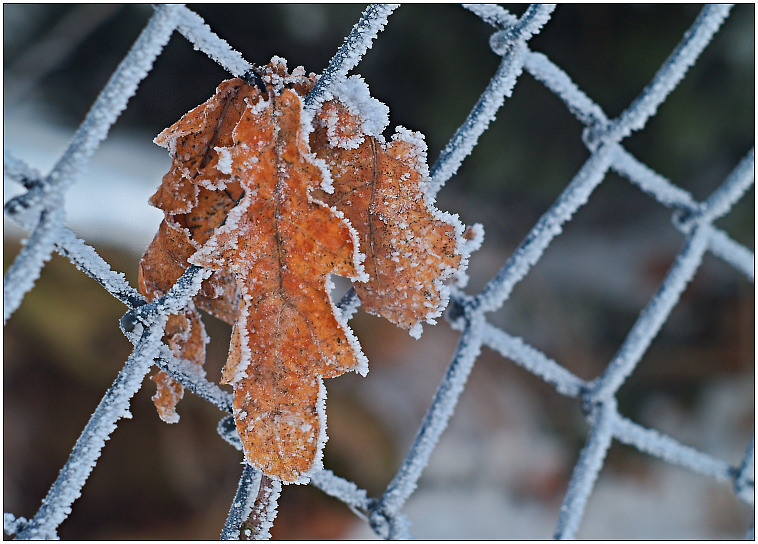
(532, 360)
(351, 51)
(666, 448)
(86, 259)
(18, 170)
(511, 44)
(735, 186)
(56, 506)
(114, 406)
(671, 73)
(558, 81)
(548, 227)
(744, 483)
(492, 14)
(341, 489)
(349, 304)
(107, 107)
(483, 113)
(28, 264)
(652, 317)
(199, 34)
(652, 183)
(443, 404)
(243, 502)
(586, 472)
(264, 509)
(731, 252)
(193, 380)
(174, 300)
(114, 97)
(668, 194)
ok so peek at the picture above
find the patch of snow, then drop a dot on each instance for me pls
(354, 93)
(224, 164)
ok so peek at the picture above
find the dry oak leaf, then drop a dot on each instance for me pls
(245, 198)
(195, 198)
(281, 244)
(412, 248)
(159, 269)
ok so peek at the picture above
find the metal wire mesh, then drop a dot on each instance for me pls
(40, 211)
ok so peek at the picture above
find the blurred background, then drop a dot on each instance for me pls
(502, 467)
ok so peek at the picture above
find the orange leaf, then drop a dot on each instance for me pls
(160, 267)
(195, 198)
(411, 248)
(281, 246)
(186, 337)
(248, 199)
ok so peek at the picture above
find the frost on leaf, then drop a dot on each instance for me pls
(280, 247)
(273, 200)
(192, 212)
(411, 247)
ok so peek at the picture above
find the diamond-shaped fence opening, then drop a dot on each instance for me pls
(466, 486)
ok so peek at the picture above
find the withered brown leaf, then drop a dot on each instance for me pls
(273, 205)
(411, 247)
(281, 246)
(195, 198)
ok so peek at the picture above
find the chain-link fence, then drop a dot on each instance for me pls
(40, 210)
